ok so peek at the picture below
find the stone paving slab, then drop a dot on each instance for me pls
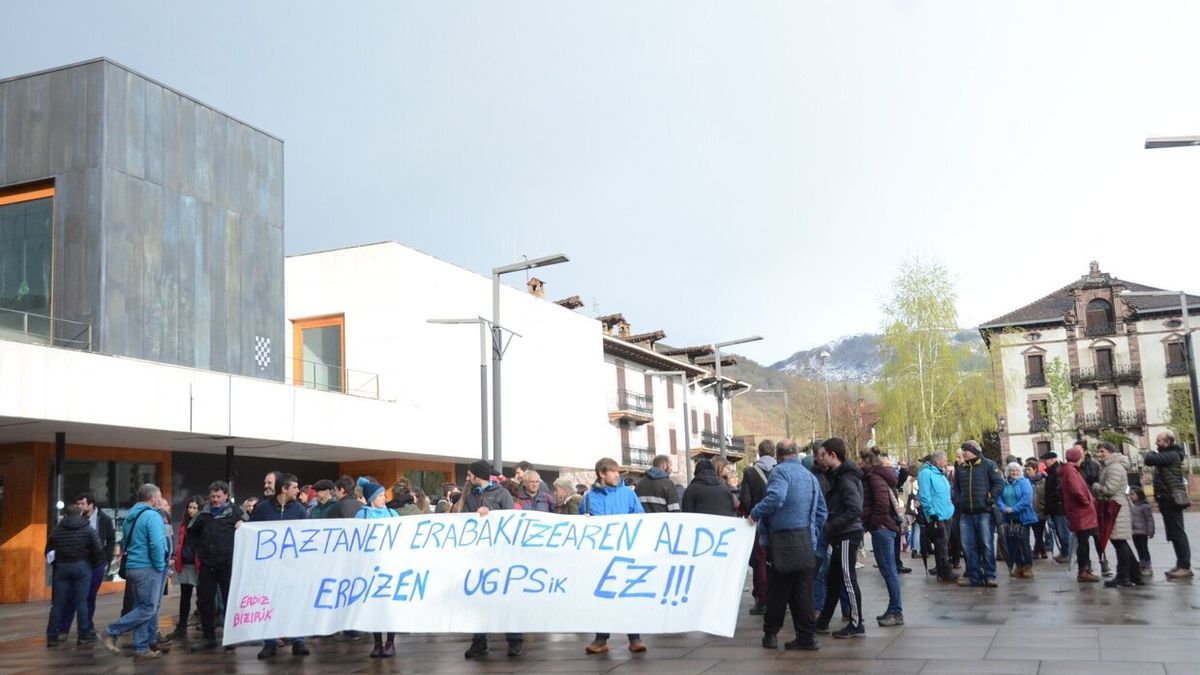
(1044, 626)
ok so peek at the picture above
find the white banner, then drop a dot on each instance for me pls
(513, 571)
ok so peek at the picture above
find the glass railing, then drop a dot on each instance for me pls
(18, 326)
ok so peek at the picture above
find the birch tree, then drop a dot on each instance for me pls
(928, 397)
(1060, 404)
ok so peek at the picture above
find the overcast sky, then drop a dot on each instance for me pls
(714, 169)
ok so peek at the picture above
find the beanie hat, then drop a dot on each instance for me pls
(480, 469)
(370, 489)
(1074, 455)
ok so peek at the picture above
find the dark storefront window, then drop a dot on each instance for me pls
(114, 485)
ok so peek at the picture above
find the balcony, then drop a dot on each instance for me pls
(1112, 420)
(1032, 380)
(1100, 329)
(39, 329)
(1177, 369)
(630, 406)
(1119, 374)
(1039, 424)
(636, 457)
(735, 446)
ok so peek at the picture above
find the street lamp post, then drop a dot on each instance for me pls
(483, 357)
(787, 420)
(828, 406)
(1188, 355)
(687, 459)
(498, 345)
(720, 390)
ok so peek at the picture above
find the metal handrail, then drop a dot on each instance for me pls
(1118, 373)
(351, 382)
(1122, 418)
(637, 456)
(1177, 368)
(57, 332)
(1098, 329)
(635, 402)
(1032, 380)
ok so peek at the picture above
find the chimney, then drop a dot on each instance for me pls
(623, 329)
(537, 288)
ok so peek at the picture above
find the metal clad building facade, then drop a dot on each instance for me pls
(167, 218)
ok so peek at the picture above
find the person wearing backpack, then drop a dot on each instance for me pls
(753, 490)
(144, 547)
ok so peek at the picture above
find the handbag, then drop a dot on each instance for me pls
(125, 547)
(792, 550)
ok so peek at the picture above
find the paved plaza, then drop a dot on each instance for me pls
(1050, 624)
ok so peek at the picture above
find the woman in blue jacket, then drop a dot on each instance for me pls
(1016, 509)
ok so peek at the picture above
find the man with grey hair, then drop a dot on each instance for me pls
(1170, 491)
(566, 499)
(145, 551)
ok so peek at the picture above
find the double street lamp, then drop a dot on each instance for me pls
(825, 356)
(498, 345)
(720, 390)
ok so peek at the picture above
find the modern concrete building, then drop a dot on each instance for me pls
(1124, 355)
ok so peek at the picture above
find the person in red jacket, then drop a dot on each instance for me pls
(1081, 512)
(187, 566)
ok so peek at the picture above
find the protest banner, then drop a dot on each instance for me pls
(511, 571)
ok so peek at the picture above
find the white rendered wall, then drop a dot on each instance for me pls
(554, 381)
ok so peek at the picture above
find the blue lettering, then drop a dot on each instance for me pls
(289, 542)
(696, 545)
(322, 589)
(307, 546)
(265, 537)
(721, 543)
(511, 576)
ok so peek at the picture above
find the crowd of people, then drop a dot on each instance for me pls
(814, 508)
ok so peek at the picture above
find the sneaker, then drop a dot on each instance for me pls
(147, 656)
(850, 631)
(86, 639)
(597, 647)
(389, 650)
(637, 646)
(758, 609)
(179, 633)
(1061, 559)
(300, 649)
(477, 648)
(267, 651)
(966, 581)
(159, 647)
(1180, 573)
(1086, 576)
(770, 641)
(516, 648)
(821, 627)
(891, 620)
(110, 642)
(52, 641)
(802, 645)
(990, 582)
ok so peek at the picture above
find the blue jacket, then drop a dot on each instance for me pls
(605, 500)
(268, 510)
(1018, 496)
(793, 500)
(146, 542)
(978, 485)
(370, 513)
(933, 490)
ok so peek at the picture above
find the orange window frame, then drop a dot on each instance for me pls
(298, 328)
(15, 194)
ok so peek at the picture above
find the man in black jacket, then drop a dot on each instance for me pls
(347, 504)
(655, 490)
(77, 551)
(1170, 491)
(754, 488)
(978, 483)
(1056, 515)
(283, 505)
(210, 536)
(844, 532)
(103, 525)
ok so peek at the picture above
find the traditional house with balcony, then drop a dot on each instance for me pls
(646, 408)
(1125, 355)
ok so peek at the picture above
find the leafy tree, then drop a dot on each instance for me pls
(1179, 412)
(1060, 406)
(929, 396)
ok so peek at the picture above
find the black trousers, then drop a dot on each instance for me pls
(185, 605)
(212, 578)
(792, 591)
(936, 535)
(1142, 543)
(842, 577)
(1083, 554)
(1173, 523)
(1127, 566)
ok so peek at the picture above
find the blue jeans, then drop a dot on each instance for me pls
(978, 534)
(71, 580)
(1017, 546)
(883, 541)
(819, 583)
(69, 617)
(1062, 533)
(142, 620)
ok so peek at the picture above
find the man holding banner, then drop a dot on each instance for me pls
(281, 506)
(483, 496)
(611, 497)
(793, 512)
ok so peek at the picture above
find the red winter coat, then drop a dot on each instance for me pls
(1077, 499)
